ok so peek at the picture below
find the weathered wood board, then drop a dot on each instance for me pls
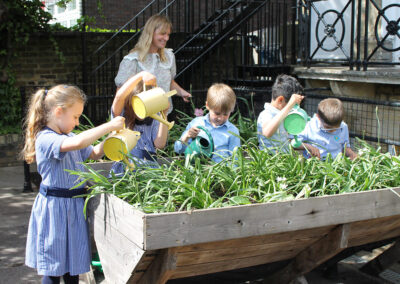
(135, 247)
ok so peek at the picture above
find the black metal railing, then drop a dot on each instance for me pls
(355, 33)
(214, 41)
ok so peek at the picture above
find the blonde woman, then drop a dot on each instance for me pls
(150, 55)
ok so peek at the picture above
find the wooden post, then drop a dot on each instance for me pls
(161, 268)
(320, 251)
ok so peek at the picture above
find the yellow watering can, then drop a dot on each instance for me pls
(120, 143)
(149, 103)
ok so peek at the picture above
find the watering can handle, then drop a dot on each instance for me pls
(209, 136)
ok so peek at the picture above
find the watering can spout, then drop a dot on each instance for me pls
(163, 119)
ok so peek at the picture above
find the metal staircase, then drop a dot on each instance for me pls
(201, 32)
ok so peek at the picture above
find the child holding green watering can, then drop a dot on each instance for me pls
(220, 103)
(286, 93)
(153, 134)
(326, 132)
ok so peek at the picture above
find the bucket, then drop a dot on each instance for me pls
(119, 144)
(151, 102)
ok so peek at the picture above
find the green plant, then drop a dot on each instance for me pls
(250, 176)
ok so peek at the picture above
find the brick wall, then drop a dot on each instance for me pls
(39, 64)
(114, 14)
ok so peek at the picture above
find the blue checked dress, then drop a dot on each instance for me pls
(58, 234)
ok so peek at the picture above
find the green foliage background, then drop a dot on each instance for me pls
(18, 20)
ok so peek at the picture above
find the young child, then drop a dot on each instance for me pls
(153, 134)
(327, 132)
(58, 238)
(286, 92)
(220, 103)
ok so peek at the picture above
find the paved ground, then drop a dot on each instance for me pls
(15, 207)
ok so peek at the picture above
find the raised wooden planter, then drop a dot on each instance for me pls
(135, 247)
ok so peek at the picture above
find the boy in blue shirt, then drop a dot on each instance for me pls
(271, 132)
(326, 132)
(220, 103)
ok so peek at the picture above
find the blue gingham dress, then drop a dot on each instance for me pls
(58, 234)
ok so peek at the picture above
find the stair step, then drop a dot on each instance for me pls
(262, 70)
(249, 83)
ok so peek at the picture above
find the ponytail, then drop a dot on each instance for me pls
(35, 120)
(40, 108)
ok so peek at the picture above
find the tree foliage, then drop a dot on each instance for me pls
(18, 20)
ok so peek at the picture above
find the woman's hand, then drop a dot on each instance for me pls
(185, 95)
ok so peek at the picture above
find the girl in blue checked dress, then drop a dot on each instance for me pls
(58, 237)
(153, 134)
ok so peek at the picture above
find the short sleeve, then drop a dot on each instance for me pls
(346, 135)
(127, 68)
(85, 152)
(49, 144)
(173, 67)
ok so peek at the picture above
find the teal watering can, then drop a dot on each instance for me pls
(200, 146)
(295, 122)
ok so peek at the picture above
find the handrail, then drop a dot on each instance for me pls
(223, 35)
(122, 28)
(206, 27)
(131, 38)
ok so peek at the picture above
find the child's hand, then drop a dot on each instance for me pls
(193, 132)
(314, 151)
(295, 99)
(148, 78)
(117, 123)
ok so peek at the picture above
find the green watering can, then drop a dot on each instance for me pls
(200, 146)
(295, 122)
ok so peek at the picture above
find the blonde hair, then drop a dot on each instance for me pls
(146, 37)
(331, 111)
(40, 108)
(221, 97)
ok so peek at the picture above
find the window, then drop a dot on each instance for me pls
(71, 5)
(73, 23)
(61, 9)
(50, 9)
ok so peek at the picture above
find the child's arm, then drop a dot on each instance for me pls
(350, 153)
(270, 127)
(314, 151)
(161, 139)
(128, 87)
(191, 133)
(86, 138)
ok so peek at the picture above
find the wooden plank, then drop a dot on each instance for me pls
(226, 265)
(205, 256)
(369, 231)
(160, 270)
(297, 236)
(198, 226)
(313, 256)
(111, 211)
(118, 255)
